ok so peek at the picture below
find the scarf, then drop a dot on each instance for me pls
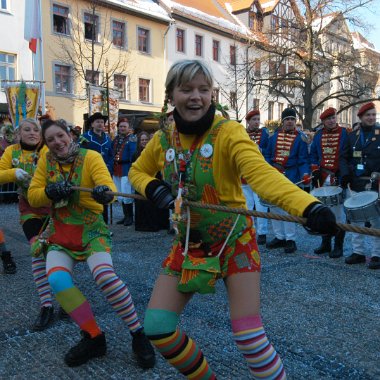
(198, 127)
(69, 158)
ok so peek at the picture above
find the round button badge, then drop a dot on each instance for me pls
(170, 154)
(206, 150)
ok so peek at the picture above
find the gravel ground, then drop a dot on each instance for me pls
(322, 316)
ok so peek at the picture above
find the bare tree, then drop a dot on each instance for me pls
(307, 57)
(88, 47)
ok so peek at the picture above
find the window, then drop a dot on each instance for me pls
(143, 43)
(62, 77)
(91, 27)
(7, 67)
(180, 40)
(274, 23)
(92, 77)
(233, 100)
(4, 5)
(232, 54)
(257, 69)
(198, 45)
(270, 110)
(144, 90)
(256, 104)
(118, 34)
(215, 94)
(120, 82)
(61, 19)
(280, 109)
(215, 50)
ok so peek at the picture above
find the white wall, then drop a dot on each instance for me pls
(12, 40)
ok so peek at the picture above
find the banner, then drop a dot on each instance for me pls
(98, 103)
(23, 100)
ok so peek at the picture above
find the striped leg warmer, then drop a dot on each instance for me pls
(72, 300)
(263, 360)
(117, 295)
(41, 281)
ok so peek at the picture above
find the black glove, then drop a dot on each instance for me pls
(345, 181)
(316, 180)
(160, 194)
(58, 191)
(100, 196)
(320, 219)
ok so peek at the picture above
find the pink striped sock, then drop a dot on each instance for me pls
(41, 281)
(117, 295)
(263, 360)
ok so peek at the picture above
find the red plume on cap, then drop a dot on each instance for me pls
(365, 107)
(327, 113)
(251, 114)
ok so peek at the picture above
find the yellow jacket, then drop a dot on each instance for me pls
(94, 173)
(235, 155)
(7, 169)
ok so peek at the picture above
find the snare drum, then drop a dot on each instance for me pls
(329, 195)
(362, 207)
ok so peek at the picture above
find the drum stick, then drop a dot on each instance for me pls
(307, 179)
(242, 211)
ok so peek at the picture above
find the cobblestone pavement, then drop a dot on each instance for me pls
(322, 316)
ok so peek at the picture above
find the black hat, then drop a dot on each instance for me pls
(288, 113)
(96, 116)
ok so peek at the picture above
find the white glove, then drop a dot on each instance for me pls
(22, 175)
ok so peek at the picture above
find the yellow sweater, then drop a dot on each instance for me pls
(7, 169)
(94, 173)
(235, 155)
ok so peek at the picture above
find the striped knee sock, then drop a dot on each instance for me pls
(117, 295)
(183, 354)
(73, 301)
(41, 281)
(263, 360)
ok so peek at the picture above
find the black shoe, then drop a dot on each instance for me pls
(62, 315)
(143, 349)
(374, 263)
(120, 221)
(171, 231)
(276, 243)
(290, 246)
(44, 319)
(261, 239)
(8, 263)
(338, 245)
(128, 213)
(325, 246)
(86, 349)
(128, 221)
(355, 258)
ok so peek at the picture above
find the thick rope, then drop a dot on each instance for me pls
(242, 211)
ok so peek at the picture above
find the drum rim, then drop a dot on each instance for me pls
(361, 194)
(312, 192)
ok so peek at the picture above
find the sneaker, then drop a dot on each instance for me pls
(143, 349)
(261, 239)
(86, 349)
(290, 246)
(374, 263)
(44, 319)
(276, 243)
(355, 258)
(8, 263)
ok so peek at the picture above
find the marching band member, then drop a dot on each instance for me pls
(326, 147)
(287, 151)
(359, 159)
(260, 136)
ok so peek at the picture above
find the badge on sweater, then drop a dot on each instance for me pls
(170, 154)
(206, 150)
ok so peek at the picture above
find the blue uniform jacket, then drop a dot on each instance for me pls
(361, 157)
(298, 162)
(127, 154)
(102, 145)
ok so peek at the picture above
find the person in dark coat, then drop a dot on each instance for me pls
(148, 217)
(359, 165)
